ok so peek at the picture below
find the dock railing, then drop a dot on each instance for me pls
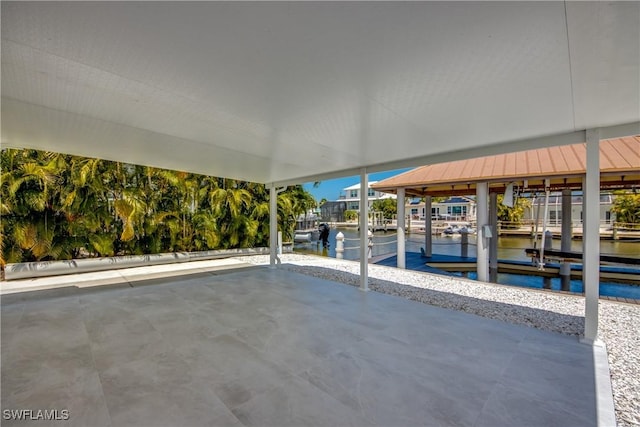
(345, 244)
(388, 247)
(626, 226)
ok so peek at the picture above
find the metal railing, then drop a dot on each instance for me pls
(342, 244)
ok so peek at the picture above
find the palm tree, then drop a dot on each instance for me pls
(260, 213)
(230, 203)
(32, 227)
(85, 203)
(57, 206)
(293, 202)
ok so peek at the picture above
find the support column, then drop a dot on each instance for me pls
(591, 237)
(565, 240)
(428, 237)
(400, 251)
(273, 226)
(364, 227)
(482, 190)
(493, 242)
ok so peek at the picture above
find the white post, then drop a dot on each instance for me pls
(544, 225)
(339, 245)
(493, 242)
(400, 251)
(565, 239)
(364, 227)
(427, 227)
(535, 236)
(591, 237)
(273, 226)
(482, 190)
(279, 243)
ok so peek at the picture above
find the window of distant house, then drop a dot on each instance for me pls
(353, 193)
(457, 210)
(371, 192)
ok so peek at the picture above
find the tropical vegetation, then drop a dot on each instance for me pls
(388, 207)
(512, 216)
(56, 206)
(626, 207)
(350, 215)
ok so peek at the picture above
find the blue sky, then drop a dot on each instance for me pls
(330, 189)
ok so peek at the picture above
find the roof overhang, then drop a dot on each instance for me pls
(533, 185)
(554, 168)
(288, 92)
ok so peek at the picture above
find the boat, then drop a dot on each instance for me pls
(306, 228)
(451, 230)
(305, 236)
(458, 228)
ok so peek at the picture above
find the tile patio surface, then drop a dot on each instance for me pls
(263, 347)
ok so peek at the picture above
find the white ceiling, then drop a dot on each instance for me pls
(280, 92)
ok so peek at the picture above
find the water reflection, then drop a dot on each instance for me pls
(509, 248)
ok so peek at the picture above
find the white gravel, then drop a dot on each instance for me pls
(619, 323)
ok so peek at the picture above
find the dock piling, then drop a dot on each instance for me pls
(340, 245)
(482, 214)
(565, 240)
(464, 243)
(428, 239)
(493, 242)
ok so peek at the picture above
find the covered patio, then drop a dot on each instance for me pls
(265, 347)
(282, 94)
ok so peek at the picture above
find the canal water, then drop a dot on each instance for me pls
(509, 248)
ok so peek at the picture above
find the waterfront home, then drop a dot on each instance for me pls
(554, 215)
(458, 208)
(351, 196)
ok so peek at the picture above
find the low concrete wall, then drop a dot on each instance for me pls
(27, 270)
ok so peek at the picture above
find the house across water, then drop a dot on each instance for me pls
(455, 208)
(554, 216)
(463, 208)
(351, 196)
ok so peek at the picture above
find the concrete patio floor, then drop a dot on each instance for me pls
(265, 347)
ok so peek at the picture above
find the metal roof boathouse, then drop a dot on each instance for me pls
(562, 167)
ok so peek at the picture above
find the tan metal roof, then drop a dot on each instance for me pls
(563, 165)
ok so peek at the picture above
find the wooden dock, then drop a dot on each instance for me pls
(437, 227)
(576, 233)
(448, 264)
(625, 276)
